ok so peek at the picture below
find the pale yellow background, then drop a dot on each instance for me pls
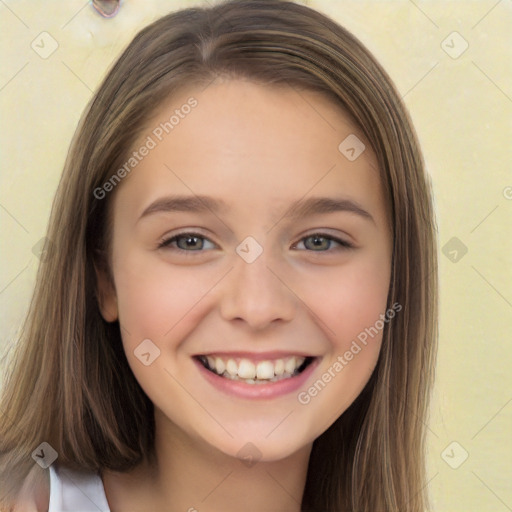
(462, 111)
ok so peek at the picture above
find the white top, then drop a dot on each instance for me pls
(76, 491)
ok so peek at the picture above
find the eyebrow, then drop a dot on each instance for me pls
(298, 209)
(185, 204)
(319, 205)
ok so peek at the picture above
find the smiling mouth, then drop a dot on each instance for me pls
(262, 372)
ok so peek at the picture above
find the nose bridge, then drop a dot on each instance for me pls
(254, 293)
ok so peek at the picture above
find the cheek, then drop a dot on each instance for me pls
(162, 304)
(155, 298)
(348, 303)
(350, 298)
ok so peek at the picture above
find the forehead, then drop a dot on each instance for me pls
(252, 146)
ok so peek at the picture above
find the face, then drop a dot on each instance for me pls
(248, 241)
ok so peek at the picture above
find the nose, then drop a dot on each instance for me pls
(255, 293)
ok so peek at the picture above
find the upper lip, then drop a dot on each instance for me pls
(255, 356)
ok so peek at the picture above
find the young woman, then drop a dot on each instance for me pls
(238, 304)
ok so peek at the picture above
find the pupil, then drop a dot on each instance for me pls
(319, 242)
(190, 242)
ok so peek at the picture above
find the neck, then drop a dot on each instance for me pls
(192, 476)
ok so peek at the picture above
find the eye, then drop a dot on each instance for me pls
(320, 242)
(185, 242)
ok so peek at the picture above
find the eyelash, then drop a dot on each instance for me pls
(166, 242)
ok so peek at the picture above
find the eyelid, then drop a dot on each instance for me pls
(166, 240)
(345, 244)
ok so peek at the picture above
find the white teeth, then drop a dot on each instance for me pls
(289, 365)
(232, 367)
(219, 366)
(246, 369)
(256, 381)
(279, 367)
(265, 370)
(255, 373)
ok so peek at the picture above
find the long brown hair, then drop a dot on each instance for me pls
(69, 383)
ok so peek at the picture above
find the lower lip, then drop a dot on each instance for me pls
(270, 390)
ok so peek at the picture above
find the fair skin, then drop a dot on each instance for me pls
(258, 149)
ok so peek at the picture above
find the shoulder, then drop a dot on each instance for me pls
(34, 495)
(61, 488)
(76, 489)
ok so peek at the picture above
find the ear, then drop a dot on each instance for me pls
(106, 294)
